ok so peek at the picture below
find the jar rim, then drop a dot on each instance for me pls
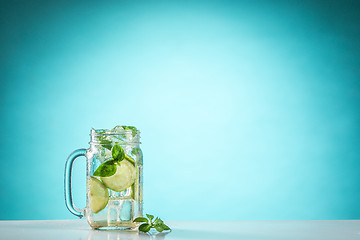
(121, 136)
(110, 132)
(98, 132)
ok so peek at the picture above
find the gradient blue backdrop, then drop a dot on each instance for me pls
(248, 109)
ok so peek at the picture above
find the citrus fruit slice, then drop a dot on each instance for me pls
(98, 196)
(122, 179)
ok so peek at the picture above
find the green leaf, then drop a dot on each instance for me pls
(144, 227)
(158, 224)
(140, 219)
(135, 151)
(159, 227)
(158, 221)
(151, 217)
(132, 128)
(106, 144)
(106, 169)
(165, 227)
(117, 153)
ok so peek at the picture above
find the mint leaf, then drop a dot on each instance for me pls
(165, 227)
(106, 169)
(141, 219)
(159, 228)
(150, 217)
(158, 221)
(132, 128)
(144, 227)
(117, 153)
(135, 151)
(158, 224)
(104, 142)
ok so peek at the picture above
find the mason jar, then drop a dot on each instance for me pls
(113, 179)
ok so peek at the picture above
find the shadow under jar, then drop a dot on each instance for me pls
(113, 179)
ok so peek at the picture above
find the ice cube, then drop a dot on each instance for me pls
(125, 193)
(114, 194)
(105, 154)
(113, 211)
(126, 210)
(118, 129)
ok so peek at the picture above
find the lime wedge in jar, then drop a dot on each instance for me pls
(98, 195)
(123, 178)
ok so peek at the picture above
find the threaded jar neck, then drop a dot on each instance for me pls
(117, 135)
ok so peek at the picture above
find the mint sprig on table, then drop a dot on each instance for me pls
(108, 168)
(148, 223)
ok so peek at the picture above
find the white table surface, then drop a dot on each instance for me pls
(227, 230)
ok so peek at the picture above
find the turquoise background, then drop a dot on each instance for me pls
(248, 109)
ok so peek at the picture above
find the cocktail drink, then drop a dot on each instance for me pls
(114, 179)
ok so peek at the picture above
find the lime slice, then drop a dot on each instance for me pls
(135, 187)
(98, 196)
(122, 179)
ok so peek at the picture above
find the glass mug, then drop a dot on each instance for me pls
(113, 179)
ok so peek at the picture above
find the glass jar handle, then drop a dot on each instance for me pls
(67, 182)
